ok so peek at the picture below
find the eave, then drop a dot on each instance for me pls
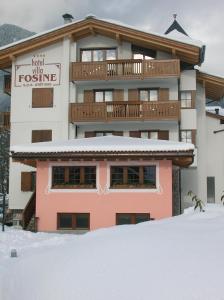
(214, 116)
(214, 85)
(91, 26)
(180, 158)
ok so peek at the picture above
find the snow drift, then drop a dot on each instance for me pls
(174, 259)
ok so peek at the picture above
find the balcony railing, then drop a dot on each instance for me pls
(125, 69)
(4, 120)
(124, 111)
(7, 84)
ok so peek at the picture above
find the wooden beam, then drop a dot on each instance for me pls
(93, 32)
(118, 38)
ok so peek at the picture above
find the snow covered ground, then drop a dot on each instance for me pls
(174, 259)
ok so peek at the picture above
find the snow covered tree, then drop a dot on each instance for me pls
(4, 165)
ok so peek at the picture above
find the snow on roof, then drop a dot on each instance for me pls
(180, 37)
(205, 70)
(175, 37)
(213, 109)
(105, 144)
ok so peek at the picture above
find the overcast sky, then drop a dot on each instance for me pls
(201, 19)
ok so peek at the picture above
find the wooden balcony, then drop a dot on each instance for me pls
(7, 84)
(125, 69)
(4, 120)
(125, 111)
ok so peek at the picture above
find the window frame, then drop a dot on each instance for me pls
(139, 185)
(67, 184)
(74, 221)
(104, 49)
(103, 91)
(133, 217)
(148, 91)
(183, 100)
(186, 131)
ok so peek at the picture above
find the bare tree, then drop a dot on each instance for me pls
(4, 167)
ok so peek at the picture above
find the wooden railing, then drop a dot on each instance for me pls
(109, 111)
(7, 84)
(29, 211)
(125, 69)
(4, 119)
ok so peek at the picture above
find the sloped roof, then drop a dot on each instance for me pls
(214, 85)
(104, 144)
(187, 50)
(107, 147)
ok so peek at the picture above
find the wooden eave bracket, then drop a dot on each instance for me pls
(118, 38)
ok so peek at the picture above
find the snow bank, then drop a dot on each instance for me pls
(174, 259)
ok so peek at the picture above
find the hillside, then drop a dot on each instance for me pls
(8, 34)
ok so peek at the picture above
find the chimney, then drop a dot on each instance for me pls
(217, 111)
(67, 18)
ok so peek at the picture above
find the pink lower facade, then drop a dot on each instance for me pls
(102, 203)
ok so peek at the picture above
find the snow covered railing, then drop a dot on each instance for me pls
(125, 69)
(136, 110)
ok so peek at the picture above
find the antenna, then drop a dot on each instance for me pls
(174, 16)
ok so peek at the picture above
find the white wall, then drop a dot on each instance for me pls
(215, 157)
(24, 118)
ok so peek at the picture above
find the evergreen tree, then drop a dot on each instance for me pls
(4, 166)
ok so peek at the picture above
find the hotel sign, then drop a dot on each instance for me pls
(39, 72)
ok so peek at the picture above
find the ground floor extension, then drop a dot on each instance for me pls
(86, 184)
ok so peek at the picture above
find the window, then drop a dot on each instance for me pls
(73, 221)
(104, 133)
(42, 97)
(142, 56)
(155, 135)
(73, 177)
(133, 177)
(186, 99)
(148, 95)
(103, 96)
(28, 181)
(186, 136)
(41, 136)
(149, 135)
(131, 218)
(88, 55)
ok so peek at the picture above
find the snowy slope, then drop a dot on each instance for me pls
(179, 258)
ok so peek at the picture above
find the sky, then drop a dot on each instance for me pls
(201, 19)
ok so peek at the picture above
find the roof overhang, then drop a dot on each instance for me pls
(214, 85)
(214, 116)
(92, 26)
(182, 159)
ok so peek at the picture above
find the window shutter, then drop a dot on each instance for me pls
(193, 98)
(133, 95)
(41, 136)
(118, 133)
(26, 181)
(164, 95)
(89, 134)
(136, 134)
(193, 136)
(118, 95)
(163, 135)
(42, 97)
(88, 96)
